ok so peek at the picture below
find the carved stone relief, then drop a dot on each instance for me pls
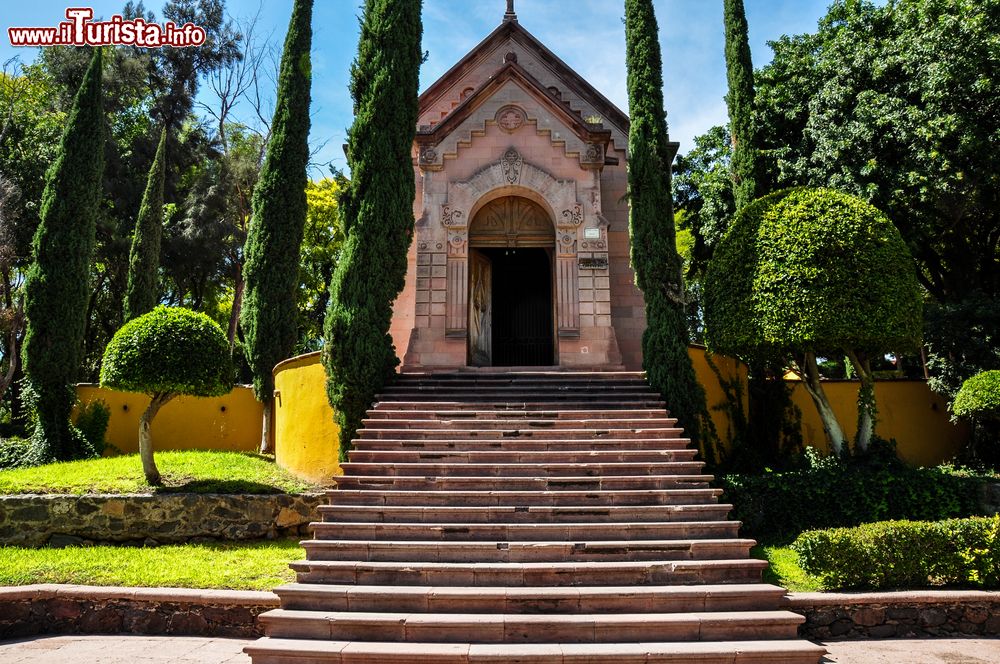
(511, 118)
(511, 163)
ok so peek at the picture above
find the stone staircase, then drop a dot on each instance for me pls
(545, 517)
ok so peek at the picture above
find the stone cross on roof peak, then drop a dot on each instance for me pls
(510, 15)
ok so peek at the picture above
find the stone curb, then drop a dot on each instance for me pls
(78, 609)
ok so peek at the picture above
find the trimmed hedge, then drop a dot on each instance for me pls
(904, 554)
(979, 397)
(830, 494)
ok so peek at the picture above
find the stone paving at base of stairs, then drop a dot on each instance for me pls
(123, 649)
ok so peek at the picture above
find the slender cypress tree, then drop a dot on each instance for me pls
(271, 271)
(651, 226)
(57, 283)
(739, 68)
(144, 258)
(378, 210)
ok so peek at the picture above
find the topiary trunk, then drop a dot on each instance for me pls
(269, 317)
(651, 226)
(809, 371)
(377, 209)
(867, 411)
(144, 258)
(57, 287)
(156, 402)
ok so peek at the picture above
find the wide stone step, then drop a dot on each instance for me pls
(290, 651)
(433, 384)
(522, 628)
(381, 482)
(493, 457)
(543, 600)
(468, 551)
(533, 574)
(509, 497)
(552, 469)
(524, 532)
(515, 394)
(595, 413)
(531, 444)
(522, 432)
(522, 424)
(523, 514)
(518, 406)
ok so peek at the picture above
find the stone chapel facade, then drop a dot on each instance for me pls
(520, 254)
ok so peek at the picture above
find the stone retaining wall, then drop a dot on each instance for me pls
(936, 613)
(59, 520)
(56, 609)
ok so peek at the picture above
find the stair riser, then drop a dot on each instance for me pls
(513, 498)
(520, 483)
(470, 552)
(520, 396)
(470, 577)
(493, 532)
(522, 433)
(554, 469)
(571, 603)
(515, 445)
(608, 631)
(392, 456)
(555, 415)
(514, 515)
(520, 424)
(505, 406)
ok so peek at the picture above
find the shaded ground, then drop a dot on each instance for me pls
(187, 650)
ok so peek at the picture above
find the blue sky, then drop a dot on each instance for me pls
(586, 34)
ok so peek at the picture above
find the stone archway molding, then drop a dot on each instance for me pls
(512, 176)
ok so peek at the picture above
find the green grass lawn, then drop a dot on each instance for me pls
(191, 471)
(230, 565)
(784, 570)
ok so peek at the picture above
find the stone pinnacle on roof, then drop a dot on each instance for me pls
(510, 15)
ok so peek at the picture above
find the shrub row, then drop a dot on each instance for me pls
(904, 554)
(832, 494)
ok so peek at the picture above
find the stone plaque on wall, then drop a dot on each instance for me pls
(595, 263)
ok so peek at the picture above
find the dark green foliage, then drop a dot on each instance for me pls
(144, 259)
(811, 270)
(832, 494)
(962, 338)
(979, 397)
(377, 209)
(57, 285)
(739, 69)
(269, 318)
(92, 420)
(651, 229)
(15, 452)
(170, 350)
(904, 554)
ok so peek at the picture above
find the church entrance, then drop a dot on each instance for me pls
(511, 309)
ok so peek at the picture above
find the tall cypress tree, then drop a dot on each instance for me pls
(271, 269)
(144, 258)
(57, 283)
(378, 210)
(739, 68)
(651, 227)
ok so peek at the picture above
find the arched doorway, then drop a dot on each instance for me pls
(511, 274)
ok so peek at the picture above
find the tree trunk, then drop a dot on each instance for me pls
(234, 316)
(831, 427)
(266, 446)
(157, 402)
(866, 399)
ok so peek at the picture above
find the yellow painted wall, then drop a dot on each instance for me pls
(307, 440)
(907, 410)
(231, 422)
(715, 396)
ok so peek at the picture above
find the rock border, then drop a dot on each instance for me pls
(75, 609)
(905, 614)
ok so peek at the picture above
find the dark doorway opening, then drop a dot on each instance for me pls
(522, 307)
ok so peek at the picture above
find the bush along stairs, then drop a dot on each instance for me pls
(527, 517)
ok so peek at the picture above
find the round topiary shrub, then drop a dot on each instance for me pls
(168, 352)
(806, 272)
(979, 398)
